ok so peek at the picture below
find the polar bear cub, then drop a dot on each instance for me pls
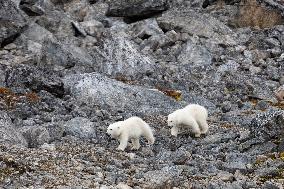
(192, 116)
(132, 128)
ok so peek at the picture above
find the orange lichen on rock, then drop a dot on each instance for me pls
(32, 97)
(172, 93)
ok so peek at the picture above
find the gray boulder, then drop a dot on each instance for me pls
(127, 8)
(111, 94)
(80, 127)
(12, 22)
(35, 135)
(196, 55)
(268, 125)
(195, 23)
(8, 133)
(93, 28)
(123, 57)
(64, 55)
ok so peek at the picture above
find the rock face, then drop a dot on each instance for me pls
(9, 133)
(69, 68)
(80, 127)
(192, 22)
(12, 22)
(124, 58)
(99, 90)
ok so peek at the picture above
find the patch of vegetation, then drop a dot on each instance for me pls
(9, 99)
(255, 15)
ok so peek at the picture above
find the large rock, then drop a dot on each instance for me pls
(35, 135)
(268, 125)
(8, 133)
(12, 22)
(64, 55)
(195, 23)
(196, 55)
(123, 58)
(36, 79)
(80, 127)
(128, 8)
(163, 178)
(111, 94)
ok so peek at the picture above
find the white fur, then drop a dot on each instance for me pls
(132, 128)
(192, 116)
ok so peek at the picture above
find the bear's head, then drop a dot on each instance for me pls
(171, 120)
(114, 130)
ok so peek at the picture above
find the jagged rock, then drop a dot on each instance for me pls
(12, 22)
(194, 55)
(36, 79)
(59, 23)
(194, 23)
(35, 135)
(32, 8)
(146, 28)
(93, 28)
(162, 178)
(77, 8)
(9, 134)
(64, 55)
(124, 58)
(98, 89)
(126, 8)
(80, 127)
(268, 125)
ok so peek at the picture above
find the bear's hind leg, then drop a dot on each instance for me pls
(195, 128)
(174, 131)
(135, 143)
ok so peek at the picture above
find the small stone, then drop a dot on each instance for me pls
(122, 186)
(131, 155)
(10, 46)
(262, 105)
(93, 28)
(225, 176)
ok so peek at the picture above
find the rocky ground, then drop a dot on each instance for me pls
(69, 68)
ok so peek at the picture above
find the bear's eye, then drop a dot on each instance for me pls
(110, 129)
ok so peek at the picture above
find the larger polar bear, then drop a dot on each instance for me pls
(192, 116)
(132, 128)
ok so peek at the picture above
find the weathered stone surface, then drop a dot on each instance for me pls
(74, 70)
(35, 135)
(268, 125)
(8, 133)
(98, 89)
(194, 23)
(80, 127)
(124, 58)
(194, 55)
(12, 22)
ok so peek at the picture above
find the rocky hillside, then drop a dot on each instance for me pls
(69, 68)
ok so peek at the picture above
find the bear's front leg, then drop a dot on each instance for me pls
(122, 142)
(174, 131)
(135, 143)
